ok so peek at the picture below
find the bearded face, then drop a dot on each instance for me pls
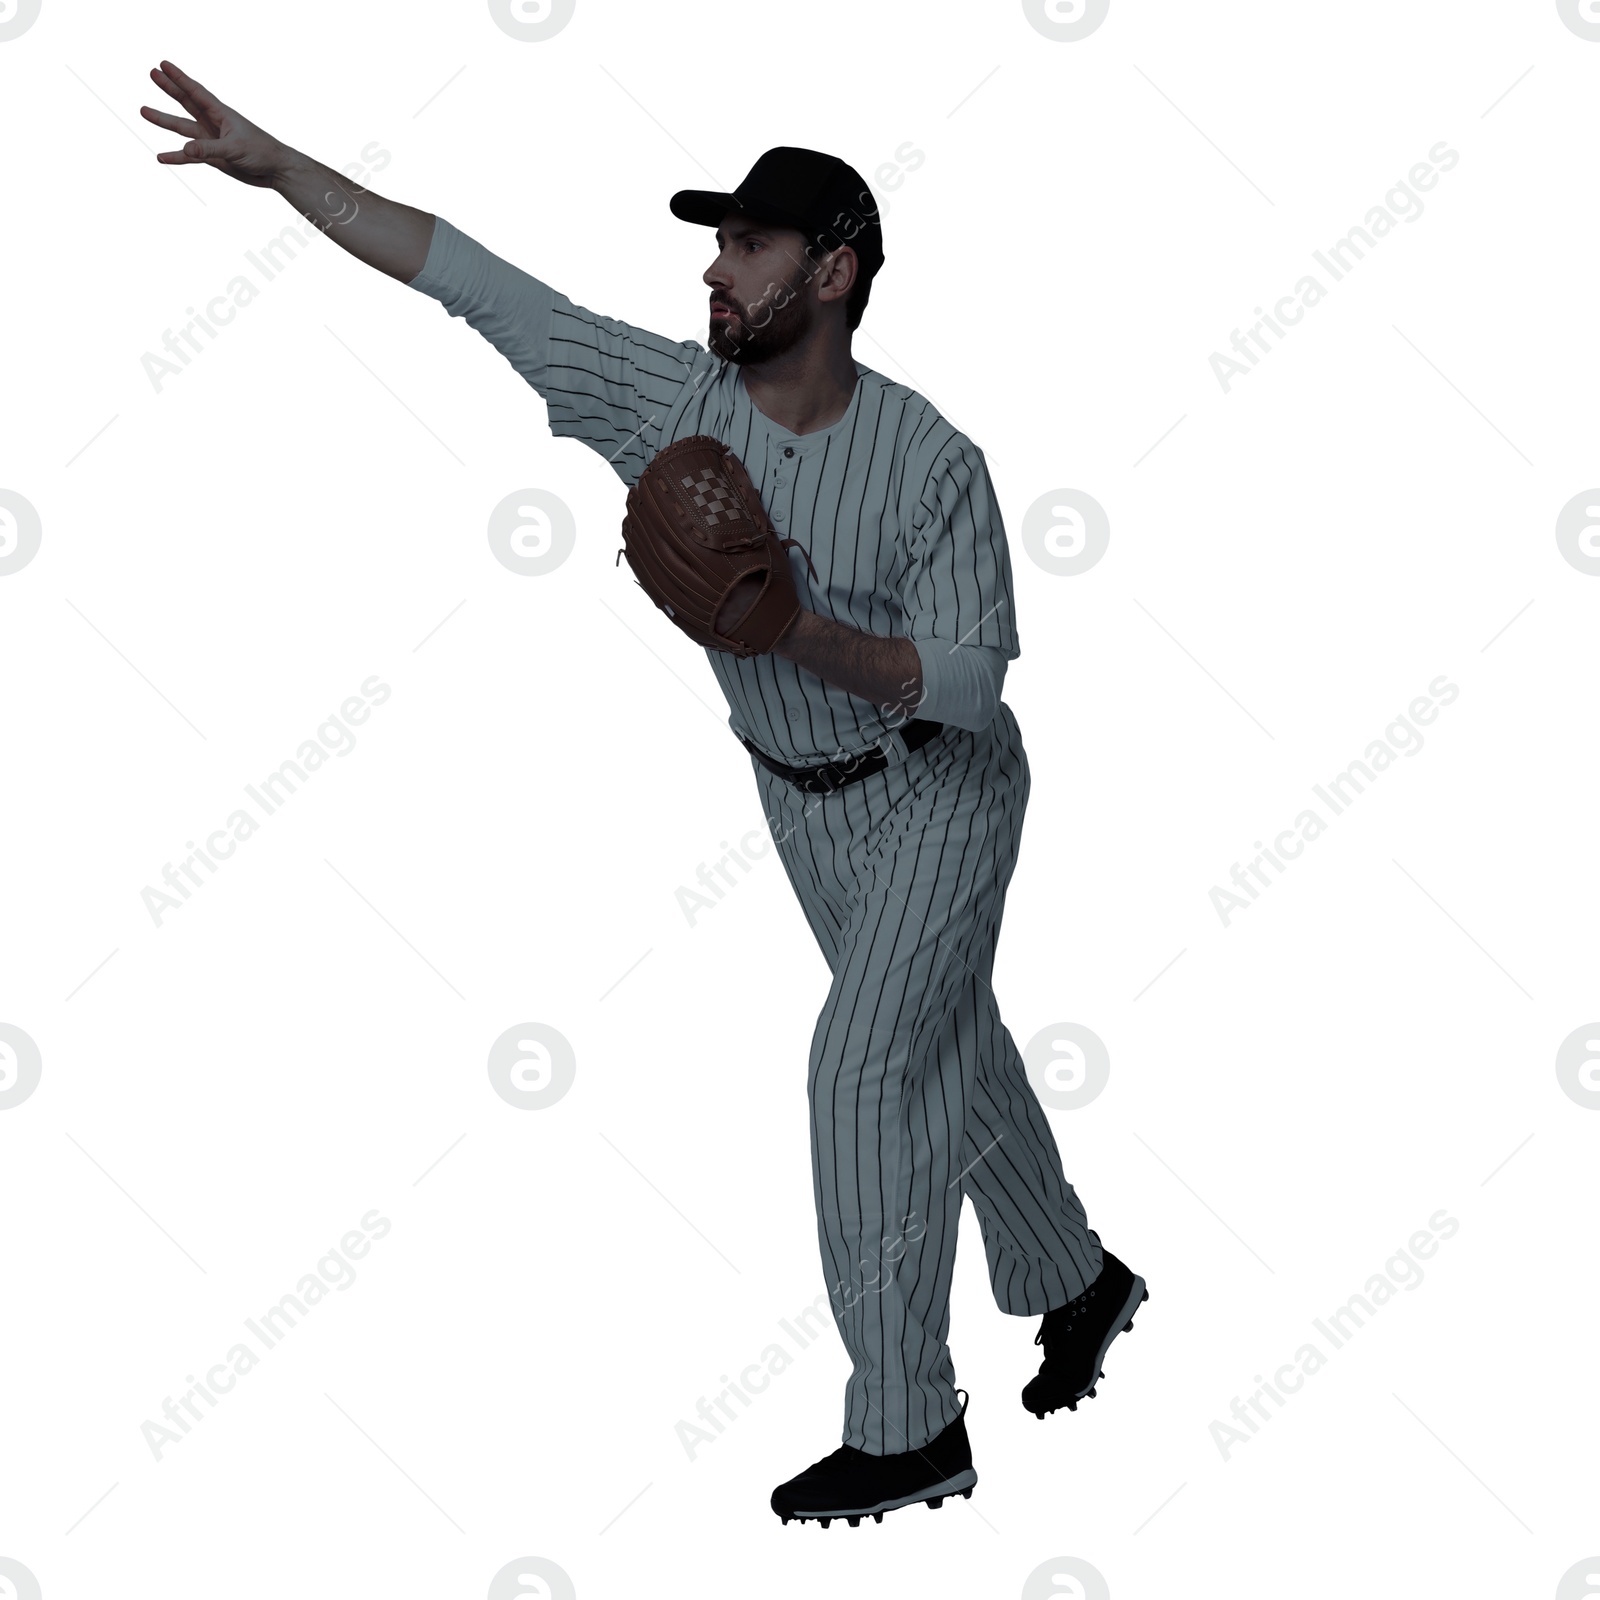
(748, 333)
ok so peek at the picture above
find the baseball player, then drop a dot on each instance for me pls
(892, 775)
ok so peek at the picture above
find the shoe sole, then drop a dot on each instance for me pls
(962, 1484)
(1137, 1295)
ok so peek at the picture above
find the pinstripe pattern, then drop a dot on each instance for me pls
(894, 505)
(918, 1094)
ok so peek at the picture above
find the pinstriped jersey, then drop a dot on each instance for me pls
(894, 505)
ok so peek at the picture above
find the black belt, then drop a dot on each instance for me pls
(831, 775)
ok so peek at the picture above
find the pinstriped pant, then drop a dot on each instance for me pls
(918, 1093)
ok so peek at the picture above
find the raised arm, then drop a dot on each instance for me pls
(383, 233)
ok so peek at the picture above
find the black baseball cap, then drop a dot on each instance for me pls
(823, 197)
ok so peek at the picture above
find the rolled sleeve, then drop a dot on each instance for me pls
(960, 683)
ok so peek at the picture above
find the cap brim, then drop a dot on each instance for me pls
(704, 206)
(708, 208)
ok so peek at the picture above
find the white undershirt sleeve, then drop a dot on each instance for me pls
(961, 683)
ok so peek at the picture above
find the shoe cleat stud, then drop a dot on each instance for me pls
(877, 1516)
(855, 1522)
(966, 1494)
(824, 1521)
(935, 1502)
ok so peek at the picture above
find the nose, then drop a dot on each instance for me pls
(716, 276)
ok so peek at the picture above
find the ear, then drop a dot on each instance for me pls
(836, 275)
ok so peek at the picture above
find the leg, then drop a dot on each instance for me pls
(1041, 1253)
(885, 1128)
(903, 877)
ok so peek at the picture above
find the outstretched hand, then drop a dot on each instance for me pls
(218, 136)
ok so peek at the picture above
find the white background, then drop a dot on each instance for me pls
(225, 560)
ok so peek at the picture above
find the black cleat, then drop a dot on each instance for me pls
(852, 1484)
(1077, 1335)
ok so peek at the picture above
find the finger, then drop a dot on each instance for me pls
(193, 96)
(196, 150)
(182, 96)
(192, 86)
(162, 119)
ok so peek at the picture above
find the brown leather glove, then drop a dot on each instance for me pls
(694, 527)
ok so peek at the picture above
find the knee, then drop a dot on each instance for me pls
(831, 1066)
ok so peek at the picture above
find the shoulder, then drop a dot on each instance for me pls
(575, 329)
(930, 444)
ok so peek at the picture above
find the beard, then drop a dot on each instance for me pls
(749, 338)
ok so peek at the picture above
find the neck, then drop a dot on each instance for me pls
(806, 388)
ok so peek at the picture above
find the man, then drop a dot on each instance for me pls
(893, 777)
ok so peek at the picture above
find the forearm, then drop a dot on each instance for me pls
(384, 234)
(886, 671)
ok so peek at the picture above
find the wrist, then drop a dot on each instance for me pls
(793, 639)
(289, 166)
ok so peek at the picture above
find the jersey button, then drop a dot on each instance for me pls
(788, 449)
